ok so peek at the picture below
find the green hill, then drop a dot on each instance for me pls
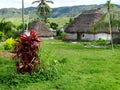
(71, 11)
(56, 12)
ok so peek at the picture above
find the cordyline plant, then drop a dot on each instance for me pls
(26, 52)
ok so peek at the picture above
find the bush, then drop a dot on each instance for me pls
(100, 42)
(26, 52)
(9, 44)
(60, 35)
(45, 74)
(12, 34)
(6, 27)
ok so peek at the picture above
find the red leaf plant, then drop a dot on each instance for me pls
(26, 52)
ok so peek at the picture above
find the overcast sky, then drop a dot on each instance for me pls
(57, 3)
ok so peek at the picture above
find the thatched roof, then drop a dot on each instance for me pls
(85, 21)
(40, 27)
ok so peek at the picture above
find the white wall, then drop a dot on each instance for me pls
(72, 36)
(87, 37)
(91, 37)
(46, 38)
(103, 36)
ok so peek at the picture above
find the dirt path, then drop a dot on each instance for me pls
(5, 54)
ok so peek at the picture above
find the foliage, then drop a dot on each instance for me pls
(43, 8)
(60, 21)
(45, 74)
(54, 25)
(19, 27)
(26, 51)
(13, 34)
(1, 45)
(9, 44)
(79, 66)
(70, 20)
(1, 35)
(6, 27)
(108, 24)
(60, 35)
(101, 42)
(18, 81)
(46, 20)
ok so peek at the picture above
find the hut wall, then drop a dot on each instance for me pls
(71, 36)
(46, 38)
(116, 37)
(97, 36)
(104, 36)
(89, 37)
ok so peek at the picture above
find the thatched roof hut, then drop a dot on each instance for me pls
(40, 27)
(81, 27)
(84, 22)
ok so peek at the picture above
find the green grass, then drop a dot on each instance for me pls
(1, 45)
(80, 68)
(60, 21)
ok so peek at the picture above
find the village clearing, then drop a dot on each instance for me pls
(79, 68)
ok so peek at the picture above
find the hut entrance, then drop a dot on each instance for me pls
(78, 36)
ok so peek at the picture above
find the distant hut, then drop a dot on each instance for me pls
(40, 27)
(81, 27)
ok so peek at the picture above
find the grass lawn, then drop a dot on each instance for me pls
(80, 68)
(60, 21)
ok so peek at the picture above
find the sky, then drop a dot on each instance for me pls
(57, 3)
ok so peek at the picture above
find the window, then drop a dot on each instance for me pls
(83, 35)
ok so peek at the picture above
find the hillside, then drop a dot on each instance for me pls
(71, 11)
(56, 12)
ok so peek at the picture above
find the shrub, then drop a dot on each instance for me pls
(100, 42)
(7, 27)
(13, 34)
(21, 80)
(53, 25)
(26, 52)
(1, 36)
(60, 35)
(9, 44)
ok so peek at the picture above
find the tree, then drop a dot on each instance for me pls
(46, 20)
(109, 7)
(43, 8)
(106, 20)
(54, 25)
(8, 28)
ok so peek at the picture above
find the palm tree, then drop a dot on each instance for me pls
(109, 7)
(43, 8)
(106, 20)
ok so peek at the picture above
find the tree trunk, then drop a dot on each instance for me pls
(110, 31)
(23, 15)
